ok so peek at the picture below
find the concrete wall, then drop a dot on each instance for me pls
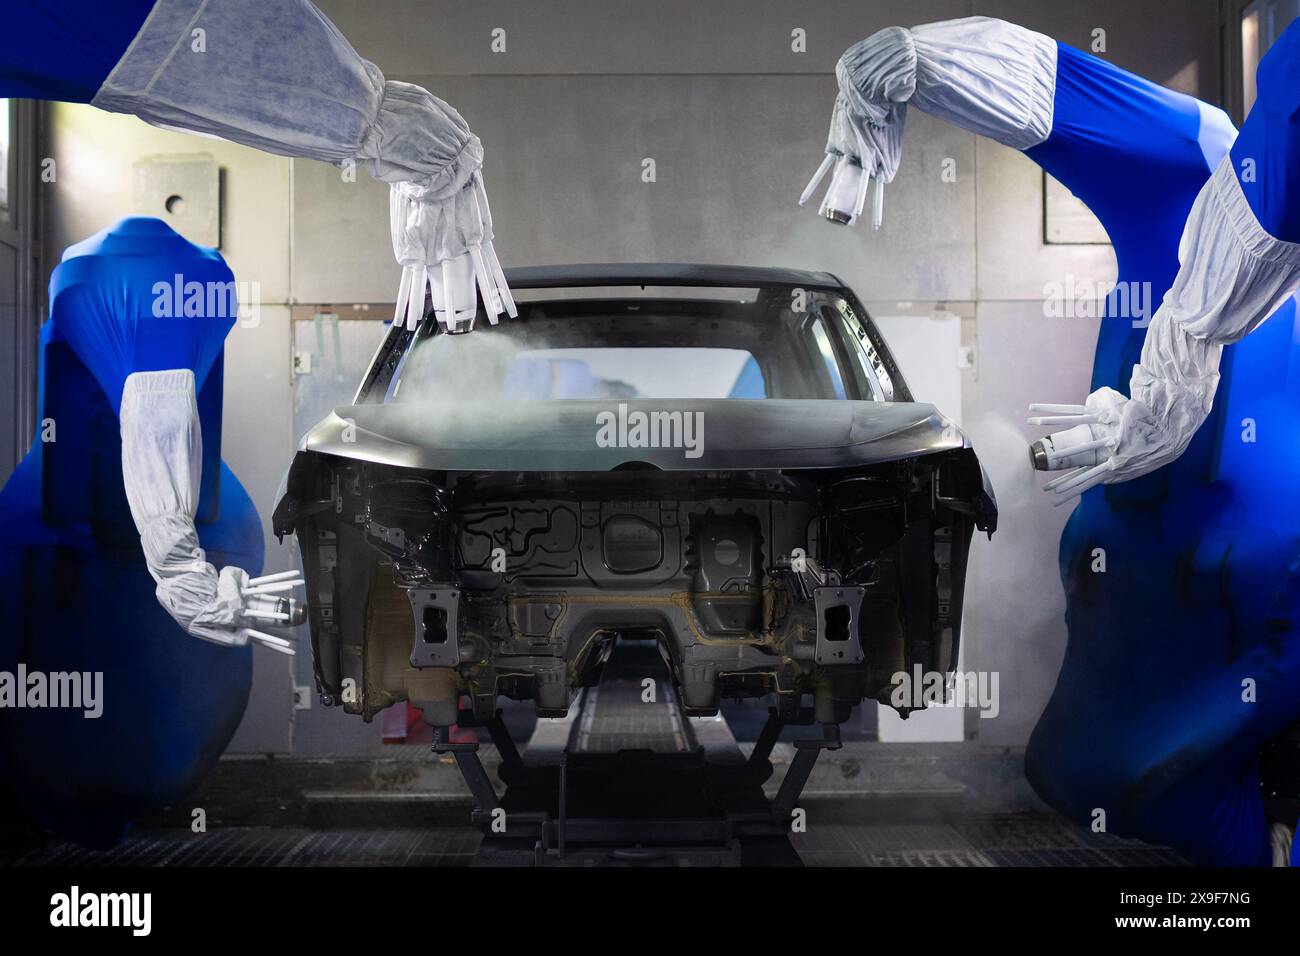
(735, 122)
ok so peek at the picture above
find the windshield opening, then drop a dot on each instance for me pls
(673, 348)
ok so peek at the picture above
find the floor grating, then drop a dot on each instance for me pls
(1001, 841)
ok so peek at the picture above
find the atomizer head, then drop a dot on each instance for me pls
(1038, 455)
(843, 199)
(455, 294)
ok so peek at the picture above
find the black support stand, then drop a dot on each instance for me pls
(636, 807)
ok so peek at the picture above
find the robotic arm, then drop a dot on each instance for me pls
(988, 76)
(1239, 259)
(277, 75)
(1233, 274)
(162, 452)
(1000, 80)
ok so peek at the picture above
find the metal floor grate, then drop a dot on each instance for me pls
(615, 718)
(995, 841)
(1001, 841)
(262, 846)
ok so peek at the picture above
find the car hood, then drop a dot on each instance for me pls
(601, 435)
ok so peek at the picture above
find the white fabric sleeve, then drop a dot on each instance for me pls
(277, 75)
(1232, 276)
(988, 76)
(162, 452)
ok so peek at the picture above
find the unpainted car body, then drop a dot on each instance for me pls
(488, 519)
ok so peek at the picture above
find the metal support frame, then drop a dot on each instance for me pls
(552, 837)
(471, 768)
(805, 758)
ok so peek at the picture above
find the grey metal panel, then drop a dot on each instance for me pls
(266, 726)
(1174, 44)
(329, 732)
(618, 36)
(184, 192)
(338, 352)
(1014, 613)
(1066, 219)
(342, 247)
(732, 153)
(1014, 262)
(256, 431)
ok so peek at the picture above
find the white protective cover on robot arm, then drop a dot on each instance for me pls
(989, 76)
(1232, 276)
(162, 454)
(277, 75)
